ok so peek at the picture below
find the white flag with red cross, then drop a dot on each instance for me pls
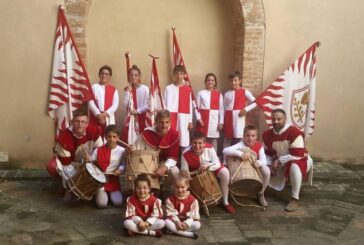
(295, 92)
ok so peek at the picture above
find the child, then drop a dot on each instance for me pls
(143, 210)
(178, 97)
(201, 155)
(210, 104)
(250, 141)
(236, 109)
(182, 210)
(109, 157)
(140, 95)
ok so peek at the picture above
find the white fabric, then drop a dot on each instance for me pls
(142, 97)
(265, 173)
(116, 158)
(192, 214)
(208, 156)
(236, 151)
(102, 198)
(224, 177)
(195, 226)
(99, 91)
(216, 117)
(133, 226)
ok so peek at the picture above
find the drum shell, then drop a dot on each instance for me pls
(245, 179)
(142, 161)
(205, 187)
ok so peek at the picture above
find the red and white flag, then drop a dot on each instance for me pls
(295, 92)
(69, 86)
(131, 122)
(155, 95)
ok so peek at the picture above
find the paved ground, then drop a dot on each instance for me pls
(332, 212)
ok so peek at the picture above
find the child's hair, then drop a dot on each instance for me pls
(112, 128)
(105, 67)
(135, 68)
(250, 127)
(183, 178)
(179, 68)
(142, 177)
(211, 75)
(79, 113)
(198, 135)
(235, 74)
(162, 114)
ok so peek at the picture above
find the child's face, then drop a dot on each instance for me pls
(162, 125)
(112, 139)
(79, 125)
(134, 77)
(180, 188)
(142, 189)
(210, 83)
(198, 145)
(250, 137)
(235, 83)
(179, 76)
(104, 76)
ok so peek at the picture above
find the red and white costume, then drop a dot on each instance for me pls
(109, 160)
(211, 107)
(183, 210)
(140, 97)
(69, 149)
(234, 101)
(149, 210)
(179, 103)
(167, 145)
(288, 146)
(107, 100)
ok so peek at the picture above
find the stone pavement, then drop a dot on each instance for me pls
(332, 212)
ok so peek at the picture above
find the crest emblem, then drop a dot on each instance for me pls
(299, 105)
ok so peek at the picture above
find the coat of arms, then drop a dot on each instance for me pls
(299, 105)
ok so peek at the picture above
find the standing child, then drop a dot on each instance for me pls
(109, 158)
(210, 104)
(250, 140)
(143, 210)
(178, 97)
(235, 105)
(182, 210)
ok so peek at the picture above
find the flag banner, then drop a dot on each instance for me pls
(155, 95)
(69, 86)
(295, 92)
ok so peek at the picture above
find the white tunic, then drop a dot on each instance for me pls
(142, 96)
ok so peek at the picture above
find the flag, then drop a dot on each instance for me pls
(155, 96)
(178, 60)
(69, 86)
(295, 92)
(131, 130)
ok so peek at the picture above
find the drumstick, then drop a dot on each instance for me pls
(126, 144)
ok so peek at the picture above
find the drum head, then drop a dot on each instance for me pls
(95, 172)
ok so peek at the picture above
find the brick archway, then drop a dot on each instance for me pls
(249, 27)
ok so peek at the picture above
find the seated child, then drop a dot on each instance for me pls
(202, 156)
(250, 140)
(182, 210)
(143, 210)
(109, 159)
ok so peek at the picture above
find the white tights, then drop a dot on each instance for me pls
(224, 177)
(295, 177)
(195, 226)
(102, 198)
(265, 172)
(133, 226)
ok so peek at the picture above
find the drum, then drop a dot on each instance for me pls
(142, 161)
(245, 179)
(87, 181)
(205, 187)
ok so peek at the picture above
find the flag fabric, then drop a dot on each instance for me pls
(69, 86)
(295, 92)
(131, 129)
(155, 95)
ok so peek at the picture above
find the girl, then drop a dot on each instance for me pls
(139, 93)
(210, 104)
(235, 105)
(143, 210)
(109, 157)
(182, 210)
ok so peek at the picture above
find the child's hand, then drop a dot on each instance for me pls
(201, 122)
(117, 172)
(134, 112)
(244, 156)
(184, 226)
(242, 113)
(161, 171)
(220, 127)
(86, 157)
(142, 225)
(190, 126)
(185, 173)
(204, 166)
(179, 225)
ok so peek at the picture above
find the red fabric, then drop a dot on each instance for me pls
(256, 147)
(291, 133)
(185, 203)
(103, 161)
(184, 99)
(215, 100)
(228, 125)
(205, 116)
(143, 209)
(168, 144)
(239, 99)
(70, 143)
(51, 167)
(173, 117)
(192, 160)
